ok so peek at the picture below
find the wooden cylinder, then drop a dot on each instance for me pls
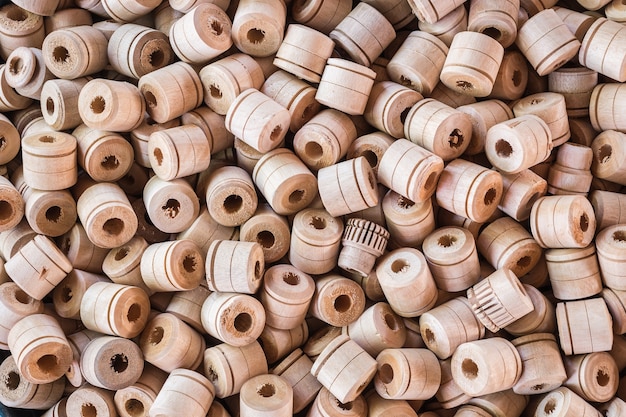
(258, 27)
(270, 230)
(584, 326)
(345, 86)
(387, 107)
(377, 329)
(70, 16)
(89, 399)
(372, 146)
(171, 205)
(174, 396)
(266, 395)
(344, 368)
(17, 391)
(430, 11)
(574, 273)
(122, 264)
(447, 26)
(603, 36)
(449, 394)
(140, 136)
(179, 152)
(139, 397)
(12, 204)
(608, 149)
(484, 115)
(613, 408)
(607, 207)
(111, 362)
(9, 99)
(541, 320)
(230, 196)
(105, 156)
(546, 50)
(68, 294)
(498, 20)
(609, 245)
(327, 405)
(422, 367)
(213, 126)
(15, 304)
(295, 369)
(205, 230)
(278, 343)
(49, 160)
(563, 401)
(79, 250)
(408, 223)
(59, 102)
(398, 13)
(520, 191)
(605, 108)
(128, 12)
(19, 27)
(476, 370)
(551, 108)
(187, 305)
(233, 266)
(565, 221)
(236, 319)
(337, 300)
(117, 106)
(172, 266)
(74, 52)
(593, 376)
(407, 282)
(469, 190)
(321, 15)
(543, 369)
(512, 77)
(27, 72)
(576, 85)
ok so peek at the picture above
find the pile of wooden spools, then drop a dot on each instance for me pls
(321, 208)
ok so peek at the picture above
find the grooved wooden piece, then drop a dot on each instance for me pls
(270, 230)
(541, 319)
(378, 328)
(372, 146)
(520, 191)
(15, 304)
(259, 26)
(75, 52)
(576, 85)
(379, 406)
(512, 78)
(230, 196)
(174, 396)
(139, 397)
(171, 205)
(104, 155)
(204, 230)
(543, 368)
(603, 36)
(387, 106)
(179, 152)
(484, 115)
(19, 392)
(27, 72)
(584, 326)
(337, 300)
(574, 273)
(607, 207)
(9, 99)
(407, 374)
(111, 362)
(448, 26)
(430, 11)
(90, 399)
(295, 369)
(59, 102)
(213, 126)
(496, 19)
(551, 108)
(78, 249)
(449, 394)
(68, 294)
(408, 223)
(593, 376)
(237, 319)
(172, 266)
(128, 11)
(608, 149)
(610, 248)
(234, 266)
(345, 86)
(397, 12)
(49, 160)
(363, 242)
(266, 395)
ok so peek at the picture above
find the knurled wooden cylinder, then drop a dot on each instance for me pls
(59, 102)
(345, 86)
(574, 273)
(546, 41)
(174, 395)
(259, 26)
(602, 49)
(304, 51)
(377, 329)
(168, 343)
(40, 348)
(296, 370)
(233, 266)
(477, 366)
(237, 319)
(576, 85)
(27, 72)
(203, 33)
(499, 299)
(15, 304)
(408, 223)
(372, 146)
(176, 265)
(105, 156)
(469, 190)
(452, 258)
(496, 19)
(584, 326)
(321, 15)
(551, 108)
(520, 191)
(285, 181)
(115, 309)
(171, 205)
(447, 26)
(562, 402)
(326, 405)
(128, 12)
(49, 160)
(270, 230)
(344, 368)
(179, 152)
(543, 369)
(337, 300)
(430, 11)
(387, 107)
(286, 294)
(139, 397)
(230, 196)
(593, 376)
(407, 282)
(228, 367)
(79, 250)
(266, 395)
(394, 365)
(74, 52)
(111, 362)
(447, 326)
(68, 294)
(610, 243)
(362, 243)
(17, 391)
(541, 320)
(608, 149)
(564, 221)
(213, 126)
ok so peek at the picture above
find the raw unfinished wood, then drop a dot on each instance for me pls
(237, 319)
(259, 26)
(89, 399)
(75, 52)
(27, 72)
(372, 146)
(362, 243)
(574, 273)
(19, 27)
(543, 368)
(268, 229)
(70, 16)
(59, 102)
(608, 149)
(408, 223)
(233, 266)
(9, 99)
(576, 85)
(610, 244)
(520, 191)
(541, 320)
(49, 160)
(449, 394)
(176, 265)
(179, 152)
(213, 126)
(388, 105)
(321, 15)
(187, 305)
(447, 26)
(122, 264)
(498, 20)
(139, 138)
(512, 77)
(139, 397)
(230, 196)
(15, 304)
(420, 365)
(104, 155)
(430, 11)
(111, 362)
(584, 326)
(266, 395)
(502, 403)
(68, 294)
(205, 230)
(551, 108)
(345, 86)
(295, 369)
(337, 300)
(174, 396)
(593, 376)
(378, 328)
(171, 205)
(17, 391)
(397, 12)
(79, 250)
(603, 36)
(127, 12)
(484, 115)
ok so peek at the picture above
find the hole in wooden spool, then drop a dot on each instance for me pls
(3, 143)
(399, 265)
(464, 85)
(469, 368)
(255, 36)
(257, 269)
(110, 162)
(344, 406)
(134, 408)
(291, 278)
(47, 139)
(619, 236)
(266, 390)
(584, 222)
(406, 81)
(211, 374)
(158, 155)
(490, 196)
(216, 27)
(119, 363)
(604, 154)
(156, 58)
(523, 262)
(318, 223)
(121, 253)
(16, 65)
(97, 104)
(602, 377)
(446, 241)
(243, 322)
(113, 226)
(455, 139)
(371, 180)
(88, 410)
(53, 214)
(390, 321)
(66, 294)
(156, 336)
(371, 157)
(189, 263)
(429, 335)
(538, 387)
(550, 406)
(150, 98)
(12, 381)
(342, 303)
(405, 203)
(517, 78)
(492, 32)
(6, 210)
(50, 106)
(21, 297)
(503, 148)
(134, 312)
(215, 91)
(266, 239)
(404, 114)
(171, 208)
(276, 133)
(233, 203)
(47, 363)
(296, 196)
(16, 14)
(313, 150)
(385, 373)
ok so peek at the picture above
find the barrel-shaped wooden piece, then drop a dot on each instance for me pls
(266, 395)
(259, 26)
(140, 395)
(574, 273)
(430, 11)
(564, 401)
(296, 370)
(174, 395)
(179, 152)
(377, 329)
(304, 52)
(498, 20)
(422, 367)
(172, 206)
(543, 369)
(363, 242)
(176, 265)
(15, 304)
(20, 393)
(447, 26)
(541, 320)
(594, 376)
(74, 52)
(551, 108)
(270, 230)
(49, 160)
(576, 85)
(111, 362)
(27, 72)
(233, 266)
(213, 126)
(387, 107)
(520, 191)
(609, 245)
(337, 300)
(345, 86)
(122, 12)
(607, 150)
(584, 326)
(237, 319)
(320, 14)
(91, 399)
(602, 49)
(326, 404)
(68, 294)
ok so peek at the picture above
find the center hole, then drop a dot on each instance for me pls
(171, 208)
(602, 377)
(47, 363)
(16, 65)
(619, 236)
(97, 105)
(296, 196)
(370, 157)
(60, 54)
(6, 210)
(550, 406)
(47, 139)
(134, 312)
(216, 27)
(276, 133)
(66, 294)
(469, 368)
(399, 265)
(318, 223)
(150, 98)
(313, 150)
(490, 196)
(243, 322)
(88, 410)
(189, 263)
(517, 78)
(121, 253)
(584, 222)
(110, 162)
(464, 85)
(291, 278)
(113, 227)
(446, 241)
(156, 336)
(430, 336)
(503, 148)
(156, 58)
(266, 390)
(604, 153)
(492, 32)
(455, 139)
(233, 203)
(17, 14)
(390, 321)
(342, 303)
(134, 408)
(12, 380)
(385, 373)
(215, 91)
(255, 36)
(158, 155)
(21, 297)
(524, 261)
(406, 81)
(119, 363)
(266, 239)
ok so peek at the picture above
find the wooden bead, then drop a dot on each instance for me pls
(546, 42)
(78, 341)
(607, 207)
(270, 230)
(228, 367)
(17, 391)
(285, 181)
(68, 17)
(266, 395)
(499, 299)
(452, 258)
(449, 394)
(469, 190)
(12, 205)
(74, 52)
(551, 108)
(344, 368)
(89, 399)
(497, 20)
(387, 106)
(321, 15)
(476, 370)
(574, 273)
(584, 326)
(213, 126)
(605, 107)
(372, 146)
(593, 376)
(115, 309)
(137, 398)
(512, 77)
(122, 12)
(324, 140)
(135, 50)
(49, 160)
(408, 223)
(80, 251)
(295, 369)
(377, 329)
(576, 85)
(40, 348)
(122, 264)
(225, 79)
(258, 26)
(326, 405)
(15, 304)
(230, 196)
(278, 343)
(172, 266)
(484, 115)
(603, 36)
(565, 221)
(447, 26)
(614, 10)
(363, 242)
(236, 319)
(541, 319)
(168, 343)
(68, 294)
(421, 366)
(520, 191)
(233, 266)
(179, 152)
(447, 326)
(19, 27)
(59, 102)
(111, 362)
(609, 244)
(174, 395)
(345, 86)
(430, 12)
(111, 105)
(9, 98)
(27, 72)
(543, 369)
(205, 230)
(304, 51)
(407, 282)
(608, 149)
(172, 205)
(337, 300)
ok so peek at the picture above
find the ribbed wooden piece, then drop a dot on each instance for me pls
(15, 304)
(49, 160)
(610, 247)
(593, 376)
(543, 369)
(233, 266)
(174, 397)
(608, 148)
(74, 52)
(304, 51)
(266, 395)
(295, 369)
(345, 86)
(551, 108)
(574, 273)
(520, 191)
(176, 265)
(213, 126)
(171, 205)
(430, 11)
(408, 223)
(447, 26)
(237, 319)
(19, 392)
(111, 105)
(584, 326)
(139, 397)
(68, 294)
(259, 26)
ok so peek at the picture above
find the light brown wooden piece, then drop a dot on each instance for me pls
(171, 205)
(421, 366)
(605, 107)
(88, 399)
(111, 362)
(139, 397)
(614, 10)
(603, 36)
(574, 273)
(593, 376)
(551, 108)
(230, 196)
(430, 11)
(326, 405)
(205, 230)
(379, 406)
(388, 105)
(140, 136)
(174, 396)
(337, 300)
(484, 115)
(295, 369)
(520, 191)
(584, 326)
(266, 395)
(345, 86)
(608, 149)
(236, 319)
(408, 223)
(363, 242)
(512, 77)
(268, 229)
(607, 207)
(9, 99)
(321, 15)
(213, 126)
(122, 264)
(234, 266)
(502, 403)
(258, 26)
(12, 205)
(398, 13)
(68, 294)
(105, 156)
(372, 146)
(19, 27)
(610, 247)
(498, 20)
(78, 249)
(19, 392)
(541, 320)
(278, 343)
(187, 305)
(447, 26)
(449, 394)
(576, 85)
(49, 160)
(179, 152)
(172, 266)
(378, 328)
(27, 72)
(613, 408)
(70, 16)
(74, 52)
(59, 102)
(127, 12)
(15, 304)
(543, 368)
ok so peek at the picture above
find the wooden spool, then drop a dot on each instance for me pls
(89, 399)
(321, 15)
(430, 11)
(259, 26)
(408, 223)
(541, 320)
(605, 107)
(266, 395)
(41, 351)
(337, 300)
(502, 403)
(49, 160)
(15, 304)
(174, 397)
(610, 246)
(27, 72)
(286, 295)
(179, 152)
(59, 102)
(139, 397)
(111, 105)
(546, 41)
(452, 258)
(68, 294)
(363, 242)
(171, 205)
(304, 52)
(484, 115)
(576, 85)
(447, 26)
(295, 369)
(70, 16)
(326, 405)
(512, 77)
(171, 91)
(19, 27)
(377, 329)
(574, 273)
(615, 11)
(122, 264)
(75, 52)
(344, 368)
(105, 156)
(79, 250)
(593, 376)
(140, 136)
(9, 99)
(603, 36)
(520, 191)
(608, 149)
(613, 408)
(387, 106)
(398, 13)
(285, 181)
(230, 196)
(499, 299)
(78, 341)
(121, 12)
(205, 230)
(12, 204)
(236, 319)
(472, 63)
(187, 305)
(447, 326)
(270, 230)
(115, 309)
(469, 190)
(471, 411)
(10, 140)
(584, 326)
(498, 20)
(551, 108)
(213, 126)
(372, 146)
(111, 362)
(233, 266)
(477, 372)
(345, 86)
(422, 366)
(543, 369)
(17, 391)
(278, 343)
(449, 394)
(407, 282)
(315, 241)
(319, 339)
(176, 265)
(168, 343)
(565, 221)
